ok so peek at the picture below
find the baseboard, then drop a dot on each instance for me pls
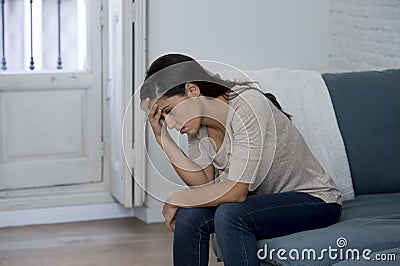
(149, 214)
(77, 214)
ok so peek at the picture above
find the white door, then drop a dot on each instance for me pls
(51, 119)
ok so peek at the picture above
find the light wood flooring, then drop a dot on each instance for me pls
(116, 242)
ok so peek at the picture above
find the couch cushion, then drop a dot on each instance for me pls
(386, 205)
(368, 110)
(350, 234)
(369, 221)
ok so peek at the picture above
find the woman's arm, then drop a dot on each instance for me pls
(211, 195)
(207, 196)
(191, 173)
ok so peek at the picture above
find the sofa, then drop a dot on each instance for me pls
(367, 109)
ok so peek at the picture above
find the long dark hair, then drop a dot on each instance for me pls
(164, 77)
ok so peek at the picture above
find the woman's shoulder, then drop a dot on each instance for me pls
(250, 108)
(250, 100)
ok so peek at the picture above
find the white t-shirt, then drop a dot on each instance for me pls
(263, 148)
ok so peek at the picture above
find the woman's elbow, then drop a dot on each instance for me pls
(238, 192)
(241, 197)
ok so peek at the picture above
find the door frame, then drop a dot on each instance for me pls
(133, 69)
(129, 22)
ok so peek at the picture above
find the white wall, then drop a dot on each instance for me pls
(365, 35)
(249, 35)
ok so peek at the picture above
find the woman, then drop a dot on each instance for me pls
(271, 184)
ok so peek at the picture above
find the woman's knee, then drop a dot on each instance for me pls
(192, 219)
(228, 215)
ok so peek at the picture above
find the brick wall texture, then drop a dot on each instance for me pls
(364, 35)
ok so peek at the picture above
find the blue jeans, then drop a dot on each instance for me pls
(239, 225)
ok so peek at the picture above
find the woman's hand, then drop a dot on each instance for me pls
(169, 212)
(156, 120)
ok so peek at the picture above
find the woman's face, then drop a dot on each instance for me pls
(182, 113)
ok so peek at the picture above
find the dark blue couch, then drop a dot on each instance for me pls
(367, 107)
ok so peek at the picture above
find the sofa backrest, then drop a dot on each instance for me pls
(367, 107)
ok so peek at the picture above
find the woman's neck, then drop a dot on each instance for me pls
(215, 111)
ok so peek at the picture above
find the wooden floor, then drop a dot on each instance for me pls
(116, 242)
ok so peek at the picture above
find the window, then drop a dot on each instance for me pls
(51, 98)
(43, 35)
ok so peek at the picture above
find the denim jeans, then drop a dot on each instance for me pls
(239, 225)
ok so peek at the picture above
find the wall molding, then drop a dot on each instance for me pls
(149, 214)
(78, 214)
